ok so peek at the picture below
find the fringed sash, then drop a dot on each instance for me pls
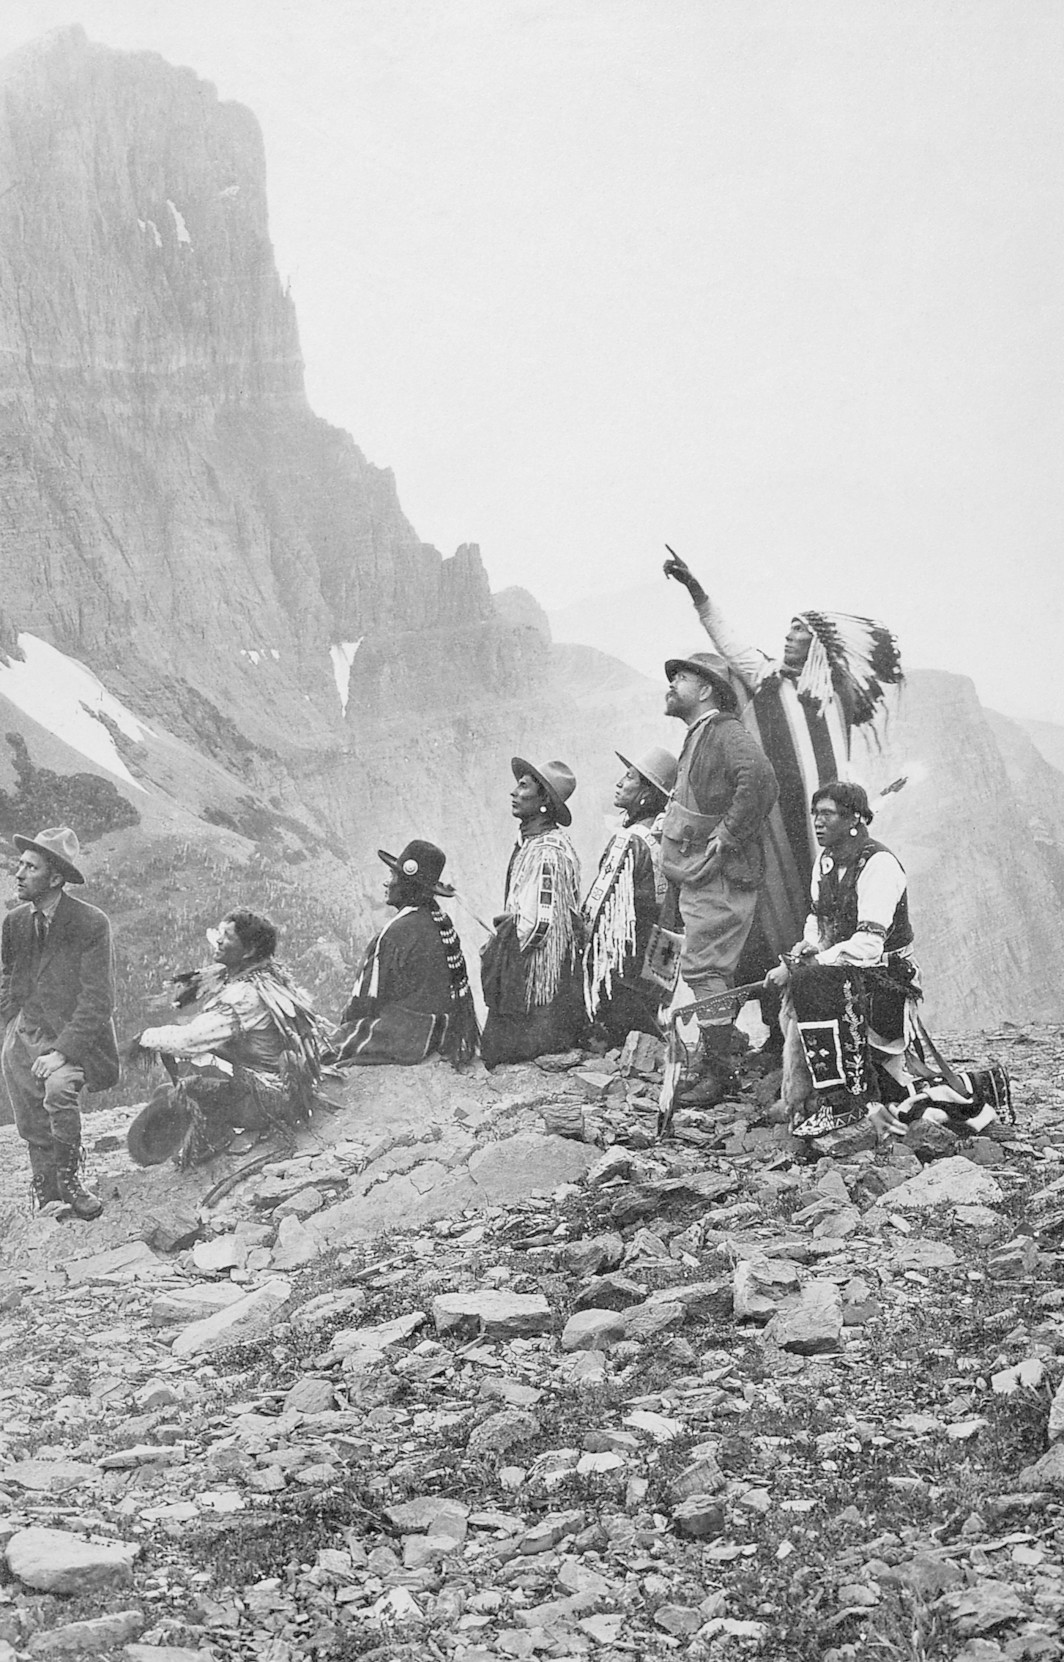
(547, 861)
(609, 914)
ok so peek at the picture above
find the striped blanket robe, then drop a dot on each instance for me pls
(804, 727)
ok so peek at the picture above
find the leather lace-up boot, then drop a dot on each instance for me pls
(718, 1077)
(43, 1175)
(71, 1189)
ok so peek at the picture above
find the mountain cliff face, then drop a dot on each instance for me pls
(178, 509)
(177, 523)
(227, 657)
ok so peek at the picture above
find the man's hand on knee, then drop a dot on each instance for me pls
(49, 1063)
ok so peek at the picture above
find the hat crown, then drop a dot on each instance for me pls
(58, 843)
(560, 778)
(61, 840)
(556, 778)
(657, 764)
(421, 860)
(708, 662)
(713, 669)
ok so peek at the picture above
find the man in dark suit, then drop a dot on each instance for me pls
(56, 1000)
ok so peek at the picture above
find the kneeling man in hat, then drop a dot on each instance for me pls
(411, 996)
(57, 1001)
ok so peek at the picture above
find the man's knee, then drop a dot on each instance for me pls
(62, 1089)
(707, 983)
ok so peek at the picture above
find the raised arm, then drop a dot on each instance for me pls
(748, 662)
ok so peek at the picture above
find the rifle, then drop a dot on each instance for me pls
(675, 1049)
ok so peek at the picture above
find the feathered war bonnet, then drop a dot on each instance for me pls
(855, 657)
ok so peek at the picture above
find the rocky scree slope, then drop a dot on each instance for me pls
(697, 1396)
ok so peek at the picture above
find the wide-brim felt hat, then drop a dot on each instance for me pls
(420, 862)
(556, 778)
(60, 845)
(656, 765)
(711, 668)
(159, 1129)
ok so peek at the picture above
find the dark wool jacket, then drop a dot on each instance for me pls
(725, 789)
(75, 984)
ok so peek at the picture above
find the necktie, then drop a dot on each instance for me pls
(40, 929)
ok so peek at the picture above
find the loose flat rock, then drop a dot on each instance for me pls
(327, 1305)
(813, 1326)
(609, 1292)
(295, 1245)
(982, 1607)
(311, 1395)
(645, 1321)
(702, 1299)
(593, 1329)
(432, 1515)
(758, 1284)
(380, 1337)
(53, 1561)
(589, 1257)
(924, 1255)
(615, 1164)
(1046, 1473)
(220, 1253)
(502, 1431)
(698, 1518)
(497, 1173)
(161, 1653)
(193, 1304)
(952, 1182)
(702, 1477)
(89, 1638)
(517, 1166)
(493, 1315)
(301, 1205)
(49, 1477)
(135, 1260)
(251, 1317)
(170, 1228)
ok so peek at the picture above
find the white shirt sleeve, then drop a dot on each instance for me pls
(232, 1010)
(879, 888)
(748, 662)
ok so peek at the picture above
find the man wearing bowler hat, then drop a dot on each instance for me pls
(711, 841)
(411, 996)
(57, 1003)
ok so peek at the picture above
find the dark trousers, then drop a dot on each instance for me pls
(46, 1111)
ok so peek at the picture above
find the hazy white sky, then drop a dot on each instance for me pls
(780, 282)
